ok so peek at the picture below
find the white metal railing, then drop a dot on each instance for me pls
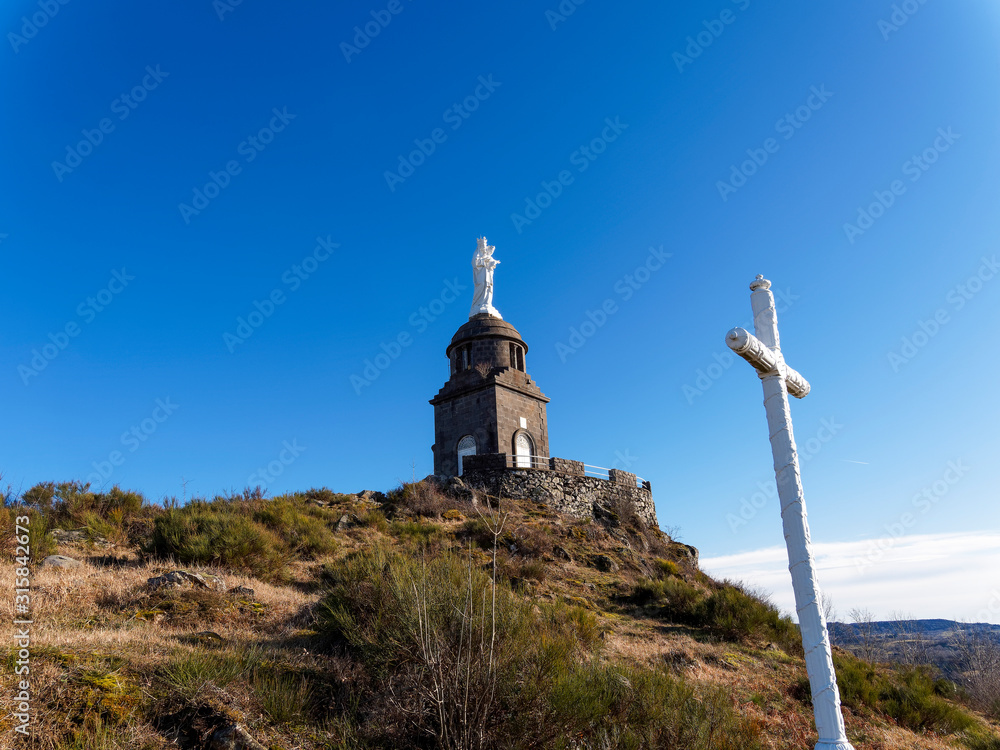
(524, 461)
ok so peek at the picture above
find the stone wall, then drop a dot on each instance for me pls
(562, 486)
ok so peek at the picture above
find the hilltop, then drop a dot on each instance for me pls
(427, 616)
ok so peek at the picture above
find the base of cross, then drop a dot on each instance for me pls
(834, 745)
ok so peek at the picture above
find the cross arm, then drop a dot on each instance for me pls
(765, 361)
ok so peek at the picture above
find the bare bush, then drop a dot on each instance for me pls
(868, 645)
(979, 666)
(911, 645)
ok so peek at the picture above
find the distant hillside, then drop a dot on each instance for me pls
(934, 641)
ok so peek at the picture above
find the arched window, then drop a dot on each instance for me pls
(523, 451)
(516, 357)
(466, 447)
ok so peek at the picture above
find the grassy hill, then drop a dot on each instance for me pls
(425, 617)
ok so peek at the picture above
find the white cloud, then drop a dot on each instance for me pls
(951, 576)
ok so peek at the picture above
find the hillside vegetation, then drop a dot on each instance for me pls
(427, 617)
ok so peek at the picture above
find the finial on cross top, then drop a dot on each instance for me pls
(760, 283)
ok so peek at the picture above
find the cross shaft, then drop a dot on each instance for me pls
(763, 352)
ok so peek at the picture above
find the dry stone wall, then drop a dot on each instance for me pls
(562, 486)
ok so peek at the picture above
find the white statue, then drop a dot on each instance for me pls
(483, 264)
(763, 352)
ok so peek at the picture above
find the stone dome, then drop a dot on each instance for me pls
(485, 326)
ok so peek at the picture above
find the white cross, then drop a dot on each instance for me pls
(763, 351)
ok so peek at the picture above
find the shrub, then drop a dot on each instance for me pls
(284, 696)
(218, 533)
(467, 655)
(678, 598)
(190, 671)
(737, 614)
(730, 611)
(304, 528)
(416, 532)
(123, 516)
(420, 498)
(909, 695)
(666, 567)
(40, 541)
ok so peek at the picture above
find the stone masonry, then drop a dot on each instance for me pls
(561, 485)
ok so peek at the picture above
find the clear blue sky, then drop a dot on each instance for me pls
(117, 114)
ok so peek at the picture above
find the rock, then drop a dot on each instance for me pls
(458, 489)
(604, 563)
(605, 515)
(622, 536)
(69, 535)
(687, 552)
(176, 579)
(344, 522)
(371, 496)
(79, 536)
(208, 636)
(60, 561)
(562, 554)
(242, 591)
(233, 737)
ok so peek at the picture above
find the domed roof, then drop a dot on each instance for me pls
(485, 326)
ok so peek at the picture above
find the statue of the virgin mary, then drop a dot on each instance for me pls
(483, 264)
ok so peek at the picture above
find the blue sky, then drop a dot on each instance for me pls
(173, 170)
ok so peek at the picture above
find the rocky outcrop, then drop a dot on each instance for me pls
(176, 579)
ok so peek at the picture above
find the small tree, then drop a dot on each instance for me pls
(867, 646)
(911, 646)
(979, 666)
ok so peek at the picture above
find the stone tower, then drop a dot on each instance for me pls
(489, 404)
